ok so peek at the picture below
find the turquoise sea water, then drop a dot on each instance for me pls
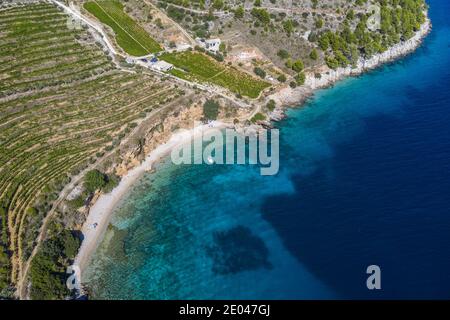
(364, 179)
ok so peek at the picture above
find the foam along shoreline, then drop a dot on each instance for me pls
(290, 97)
(100, 213)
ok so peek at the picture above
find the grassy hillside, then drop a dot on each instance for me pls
(63, 105)
(199, 67)
(129, 35)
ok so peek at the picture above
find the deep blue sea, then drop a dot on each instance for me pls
(364, 179)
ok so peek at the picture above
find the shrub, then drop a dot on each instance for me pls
(282, 78)
(211, 109)
(239, 12)
(258, 117)
(300, 78)
(48, 267)
(283, 54)
(259, 72)
(298, 65)
(271, 105)
(113, 181)
(314, 55)
(78, 202)
(94, 180)
(262, 15)
(332, 62)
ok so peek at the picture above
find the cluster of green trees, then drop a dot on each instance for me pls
(399, 19)
(295, 65)
(258, 117)
(262, 15)
(259, 72)
(96, 180)
(48, 268)
(211, 109)
(93, 181)
(271, 105)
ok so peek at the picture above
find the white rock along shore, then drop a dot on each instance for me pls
(291, 97)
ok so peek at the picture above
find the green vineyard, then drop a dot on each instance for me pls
(195, 66)
(129, 35)
(63, 104)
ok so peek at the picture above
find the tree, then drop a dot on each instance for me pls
(282, 78)
(48, 267)
(113, 181)
(350, 14)
(314, 55)
(239, 12)
(324, 41)
(331, 62)
(341, 58)
(211, 109)
(70, 243)
(283, 54)
(262, 15)
(298, 65)
(222, 47)
(258, 117)
(300, 78)
(271, 105)
(288, 26)
(94, 180)
(319, 23)
(217, 4)
(259, 72)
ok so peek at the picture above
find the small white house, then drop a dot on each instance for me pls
(212, 45)
(162, 66)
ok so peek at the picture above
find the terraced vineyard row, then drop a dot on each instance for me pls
(199, 67)
(63, 104)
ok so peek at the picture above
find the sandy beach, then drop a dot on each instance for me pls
(100, 213)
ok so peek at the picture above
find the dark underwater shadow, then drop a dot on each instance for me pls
(337, 230)
(237, 250)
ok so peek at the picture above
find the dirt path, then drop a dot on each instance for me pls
(269, 8)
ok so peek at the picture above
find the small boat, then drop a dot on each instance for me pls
(210, 160)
